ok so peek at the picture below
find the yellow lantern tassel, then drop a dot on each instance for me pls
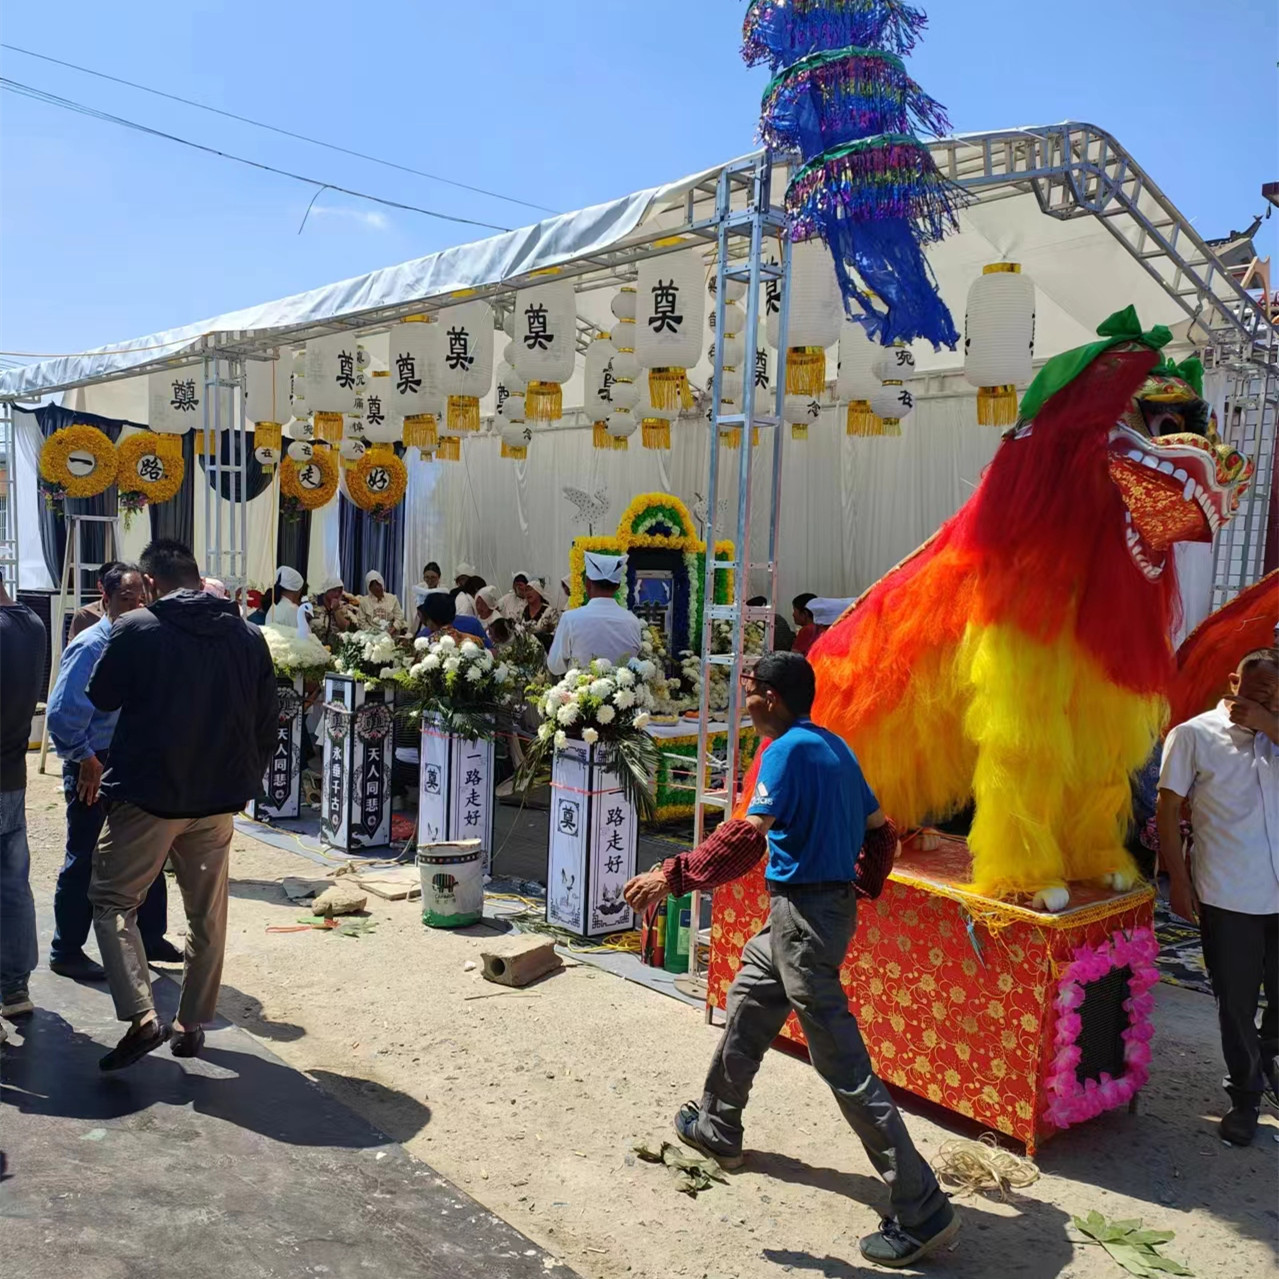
(620, 442)
(268, 435)
(805, 370)
(996, 405)
(799, 430)
(732, 437)
(450, 448)
(543, 402)
(656, 433)
(861, 421)
(170, 445)
(206, 443)
(890, 426)
(328, 427)
(464, 413)
(420, 431)
(514, 453)
(668, 388)
(754, 437)
(600, 437)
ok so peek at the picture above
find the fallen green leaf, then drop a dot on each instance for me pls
(1130, 1245)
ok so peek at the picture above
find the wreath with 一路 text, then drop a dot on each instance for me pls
(306, 486)
(377, 482)
(77, 461)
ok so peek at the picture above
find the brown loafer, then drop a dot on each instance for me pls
(187, 1043)
(137, 1042)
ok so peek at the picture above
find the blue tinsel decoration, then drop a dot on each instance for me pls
(866, 184)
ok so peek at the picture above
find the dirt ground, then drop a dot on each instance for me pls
(530, 1101)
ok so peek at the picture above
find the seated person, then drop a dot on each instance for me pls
(806, 635)
(280, 605)
(379, 609)
(438, 615)
(512, 603)
(538, 616)
(335, 611)
(486, 606)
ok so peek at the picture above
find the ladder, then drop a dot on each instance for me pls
(226, 549)
(8, 507)
(741, 235)
(1239, 552)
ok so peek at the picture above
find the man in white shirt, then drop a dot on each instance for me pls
(1227, 764)
(601, 627)
(463, 601)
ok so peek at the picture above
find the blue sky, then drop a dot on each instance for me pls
(108, 234)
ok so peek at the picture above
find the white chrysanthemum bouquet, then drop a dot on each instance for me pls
(606, 705)
(372, 656)
(458, 681)
(295, 655)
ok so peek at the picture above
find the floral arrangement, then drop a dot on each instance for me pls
(58, 480)
(295, 497)
(371, 656)
(147, 472)
(461, 683)
(389, 479)
(606, 705)
(295, 655)
(1072, 1102)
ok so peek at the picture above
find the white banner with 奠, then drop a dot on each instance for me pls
(455, 791)
(355, 809)
(592, 853)
(282, 782)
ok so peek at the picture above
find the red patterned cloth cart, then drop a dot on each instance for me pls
(1022, 1021)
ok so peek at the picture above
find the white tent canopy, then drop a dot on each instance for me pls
(1089, 228)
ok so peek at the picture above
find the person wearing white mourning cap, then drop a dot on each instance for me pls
(379, 610)
(601, 627)
(334, 610)
(486, 606)
(281, 609)
(511, 604)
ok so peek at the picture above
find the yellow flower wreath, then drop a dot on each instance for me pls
(310, 499)
(357, 479)
(55, 457)
(134, 478)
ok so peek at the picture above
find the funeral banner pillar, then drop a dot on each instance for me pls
(355, 809)
(455, 799)
(282, 782)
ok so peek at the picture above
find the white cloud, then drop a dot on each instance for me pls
(370, 218)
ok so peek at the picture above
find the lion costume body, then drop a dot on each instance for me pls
(1019, 659)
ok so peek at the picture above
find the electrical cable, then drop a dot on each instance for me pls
(287, 133)
(52, 99)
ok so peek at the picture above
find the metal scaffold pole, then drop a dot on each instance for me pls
(226, 473)
(744, 226)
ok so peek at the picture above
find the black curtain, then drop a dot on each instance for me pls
(53, 526)
(255, 478)
(293, 543)
(364, 543)
(176, 517)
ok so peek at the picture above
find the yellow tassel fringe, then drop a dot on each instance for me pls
(799, 430)
(731, 438)
(996, 405)
(268, 435)
(805, 370)
(171, 445)
(464, 413)
(515, 454)
(420, 431)
(668, 388)
(449, 449)
(656, 433)
(328, 427)
(600, 437)
(543, 402)
(861, 421)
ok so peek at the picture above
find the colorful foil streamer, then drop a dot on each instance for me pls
(780, 32)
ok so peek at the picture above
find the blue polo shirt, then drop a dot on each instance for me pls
(811, 785)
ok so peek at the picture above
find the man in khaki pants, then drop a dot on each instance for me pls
(197, 699)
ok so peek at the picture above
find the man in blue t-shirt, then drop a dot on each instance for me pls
(813, 807)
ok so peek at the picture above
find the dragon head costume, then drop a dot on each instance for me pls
(1019, 659)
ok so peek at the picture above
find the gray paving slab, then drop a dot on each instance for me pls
(233, 1164)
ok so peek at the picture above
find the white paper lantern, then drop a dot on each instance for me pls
(625, 391)
(894, 363)
(511, 375)
(734, 318)
(801, 411)
(669, 323)
(516, 436)
(734, 290)
(379, 426)
(621, 424)
(999, 340)
(597, 379)
(892, 404)
(545, 346)
(855, 381)
(654, 419)
(465, 354)
(625, 305)
(330, 374)
(301, 450)
(351, 450)
(412, 389)
(505, 381)
(175, 400)
(266, 389)
(816, 316)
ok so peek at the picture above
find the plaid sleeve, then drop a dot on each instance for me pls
(725, 855)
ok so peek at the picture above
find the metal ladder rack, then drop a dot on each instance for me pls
(737, 228)
(223, 414)
(8, 505)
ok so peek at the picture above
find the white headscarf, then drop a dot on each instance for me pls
(289, 578)
(374, 576)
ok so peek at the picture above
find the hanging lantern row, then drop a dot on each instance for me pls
(545, 346)
(597, 384)
(624, 393)
(670, 317)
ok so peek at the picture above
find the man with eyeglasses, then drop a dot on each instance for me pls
(811, 812)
